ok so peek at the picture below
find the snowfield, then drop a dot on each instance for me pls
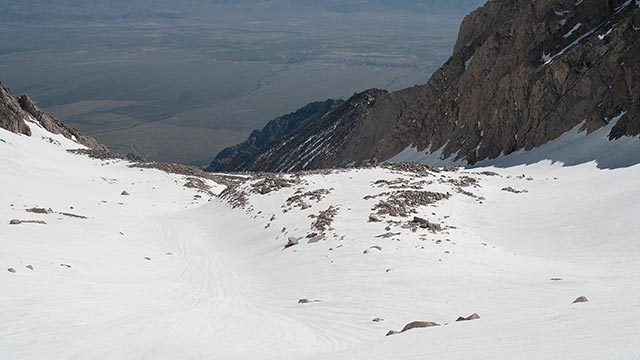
(171, 272)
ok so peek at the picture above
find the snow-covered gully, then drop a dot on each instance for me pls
(115, 262)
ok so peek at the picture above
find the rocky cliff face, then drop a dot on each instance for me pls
(522, 73)
(11, 114)
(14, 111)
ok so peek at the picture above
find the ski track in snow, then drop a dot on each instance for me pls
(220, 285)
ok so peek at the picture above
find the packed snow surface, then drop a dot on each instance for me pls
(171, 272)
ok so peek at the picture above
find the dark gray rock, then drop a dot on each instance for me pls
(581, 299)
(12, 116)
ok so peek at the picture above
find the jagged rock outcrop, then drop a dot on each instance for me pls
(522, 73)
(14, 111)
(11, 115)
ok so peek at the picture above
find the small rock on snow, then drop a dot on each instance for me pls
(414, 325)
(291, 242)
(473, 316)
(581, 299)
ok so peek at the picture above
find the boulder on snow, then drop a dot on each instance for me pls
(581, 299)
(291, 242)
(419, 324)
(377, 320)
(414, 325)
(30, 267)
(426, 224)
(473, 316)
(124, 193)
(11, 270)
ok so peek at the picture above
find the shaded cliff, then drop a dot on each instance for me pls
(244, 156)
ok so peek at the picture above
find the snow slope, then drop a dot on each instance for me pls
(574, 147)
(219, 284)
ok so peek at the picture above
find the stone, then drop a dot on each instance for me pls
(11, 270)
(291, 241)
(307, 301)
(18, 222)
(39, 210)
(581, 299)
(124, 193)
(419, 324)
(473, 316)
(29, 267)
(414, 325)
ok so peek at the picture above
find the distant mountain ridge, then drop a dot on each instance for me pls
(522, 73)
(94, 10)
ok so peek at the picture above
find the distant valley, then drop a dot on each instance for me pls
(182, 89)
